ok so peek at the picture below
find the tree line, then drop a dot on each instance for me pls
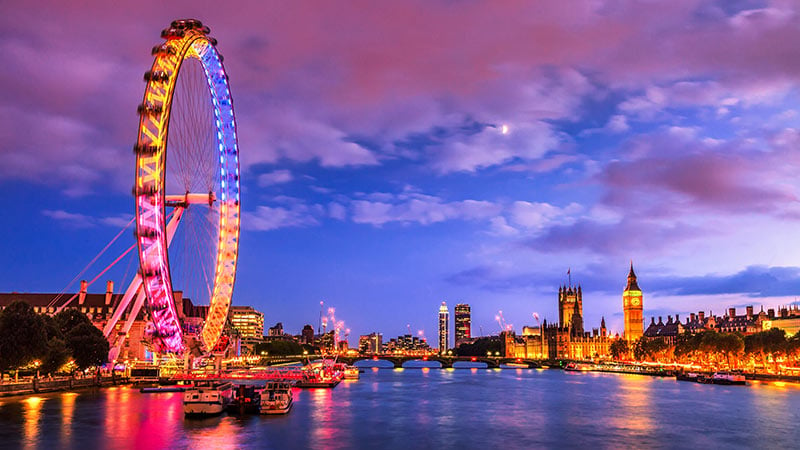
(47, 343)
(714, 349)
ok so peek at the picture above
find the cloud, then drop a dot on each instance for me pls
(621, 238)
(420, 209)
(288, 135)
(275, 177)
(753, 281)
(538, 215)
(266, 218)
(685, 171)
(337, 211)
(78, 220)
(492, 146)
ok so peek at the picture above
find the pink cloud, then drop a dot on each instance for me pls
(685, 170)
(306, 80)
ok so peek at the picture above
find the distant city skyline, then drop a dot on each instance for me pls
(397, 155)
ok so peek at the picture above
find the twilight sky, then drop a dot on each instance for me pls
(400, 154)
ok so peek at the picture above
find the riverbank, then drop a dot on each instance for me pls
(632, 370)
(40, 385)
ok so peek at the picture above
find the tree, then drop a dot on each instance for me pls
(480, 347)
(69, 319)
(619, 349)
(88, 345)
(56, 356)
(57, 353)
(278, 348)
(23, 338)
(84, 341)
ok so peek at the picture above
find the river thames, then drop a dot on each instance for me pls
(429, 408)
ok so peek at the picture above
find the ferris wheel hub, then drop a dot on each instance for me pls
(190, 198)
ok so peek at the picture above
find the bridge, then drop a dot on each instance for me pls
(397, 361)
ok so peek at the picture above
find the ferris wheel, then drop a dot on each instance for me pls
(186, 190)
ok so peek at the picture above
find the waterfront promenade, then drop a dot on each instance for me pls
(32, 385)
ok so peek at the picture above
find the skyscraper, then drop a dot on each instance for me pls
(632, 307)
(444, 328)
(463, 323)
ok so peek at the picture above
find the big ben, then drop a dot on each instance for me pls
(632, 307)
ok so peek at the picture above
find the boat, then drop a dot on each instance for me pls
(351, 373)
(276, 398)
(688, 376)
(157, 390)
(246, 399)
(320, 374)
(728, 378)
(207, 398)
(578, 367)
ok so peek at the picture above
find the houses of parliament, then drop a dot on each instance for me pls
(568, 339)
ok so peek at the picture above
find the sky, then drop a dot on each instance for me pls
(399, 154)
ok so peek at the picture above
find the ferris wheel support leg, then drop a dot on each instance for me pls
(133, 288)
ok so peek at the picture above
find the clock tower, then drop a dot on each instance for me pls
(632, 307)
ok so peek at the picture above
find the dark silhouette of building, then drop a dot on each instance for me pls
(463, 323)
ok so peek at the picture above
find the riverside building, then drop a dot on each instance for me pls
(463, 323)
(444, 328)
(564, 340)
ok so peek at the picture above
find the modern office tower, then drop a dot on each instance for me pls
(444, 328)
(463, 323)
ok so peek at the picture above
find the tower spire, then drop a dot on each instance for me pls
(632, 284)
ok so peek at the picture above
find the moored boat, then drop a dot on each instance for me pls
(351, 373)
(320, 374)
(688, 376)
(728, 378)
(276, 398)
(207, 398)
(246, 399)
(578, 367)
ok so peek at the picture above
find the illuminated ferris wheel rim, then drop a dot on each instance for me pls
(184, 39)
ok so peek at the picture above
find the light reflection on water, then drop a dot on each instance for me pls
(33, 408)
(424, 407)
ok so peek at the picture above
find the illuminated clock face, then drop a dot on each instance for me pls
(635, 301)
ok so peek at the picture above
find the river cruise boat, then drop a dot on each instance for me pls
(578, 367)
(320, 374)
(351, 373)
(276, 398)
(730, 378)
(207, 398)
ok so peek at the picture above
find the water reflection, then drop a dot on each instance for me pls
(429, 408)
(67, 411)
(635, 413)
(32, 415)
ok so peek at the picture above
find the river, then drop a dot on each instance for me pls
(429, 408)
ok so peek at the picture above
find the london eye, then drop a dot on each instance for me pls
(186, 187)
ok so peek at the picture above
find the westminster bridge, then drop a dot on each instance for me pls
(445, 362)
